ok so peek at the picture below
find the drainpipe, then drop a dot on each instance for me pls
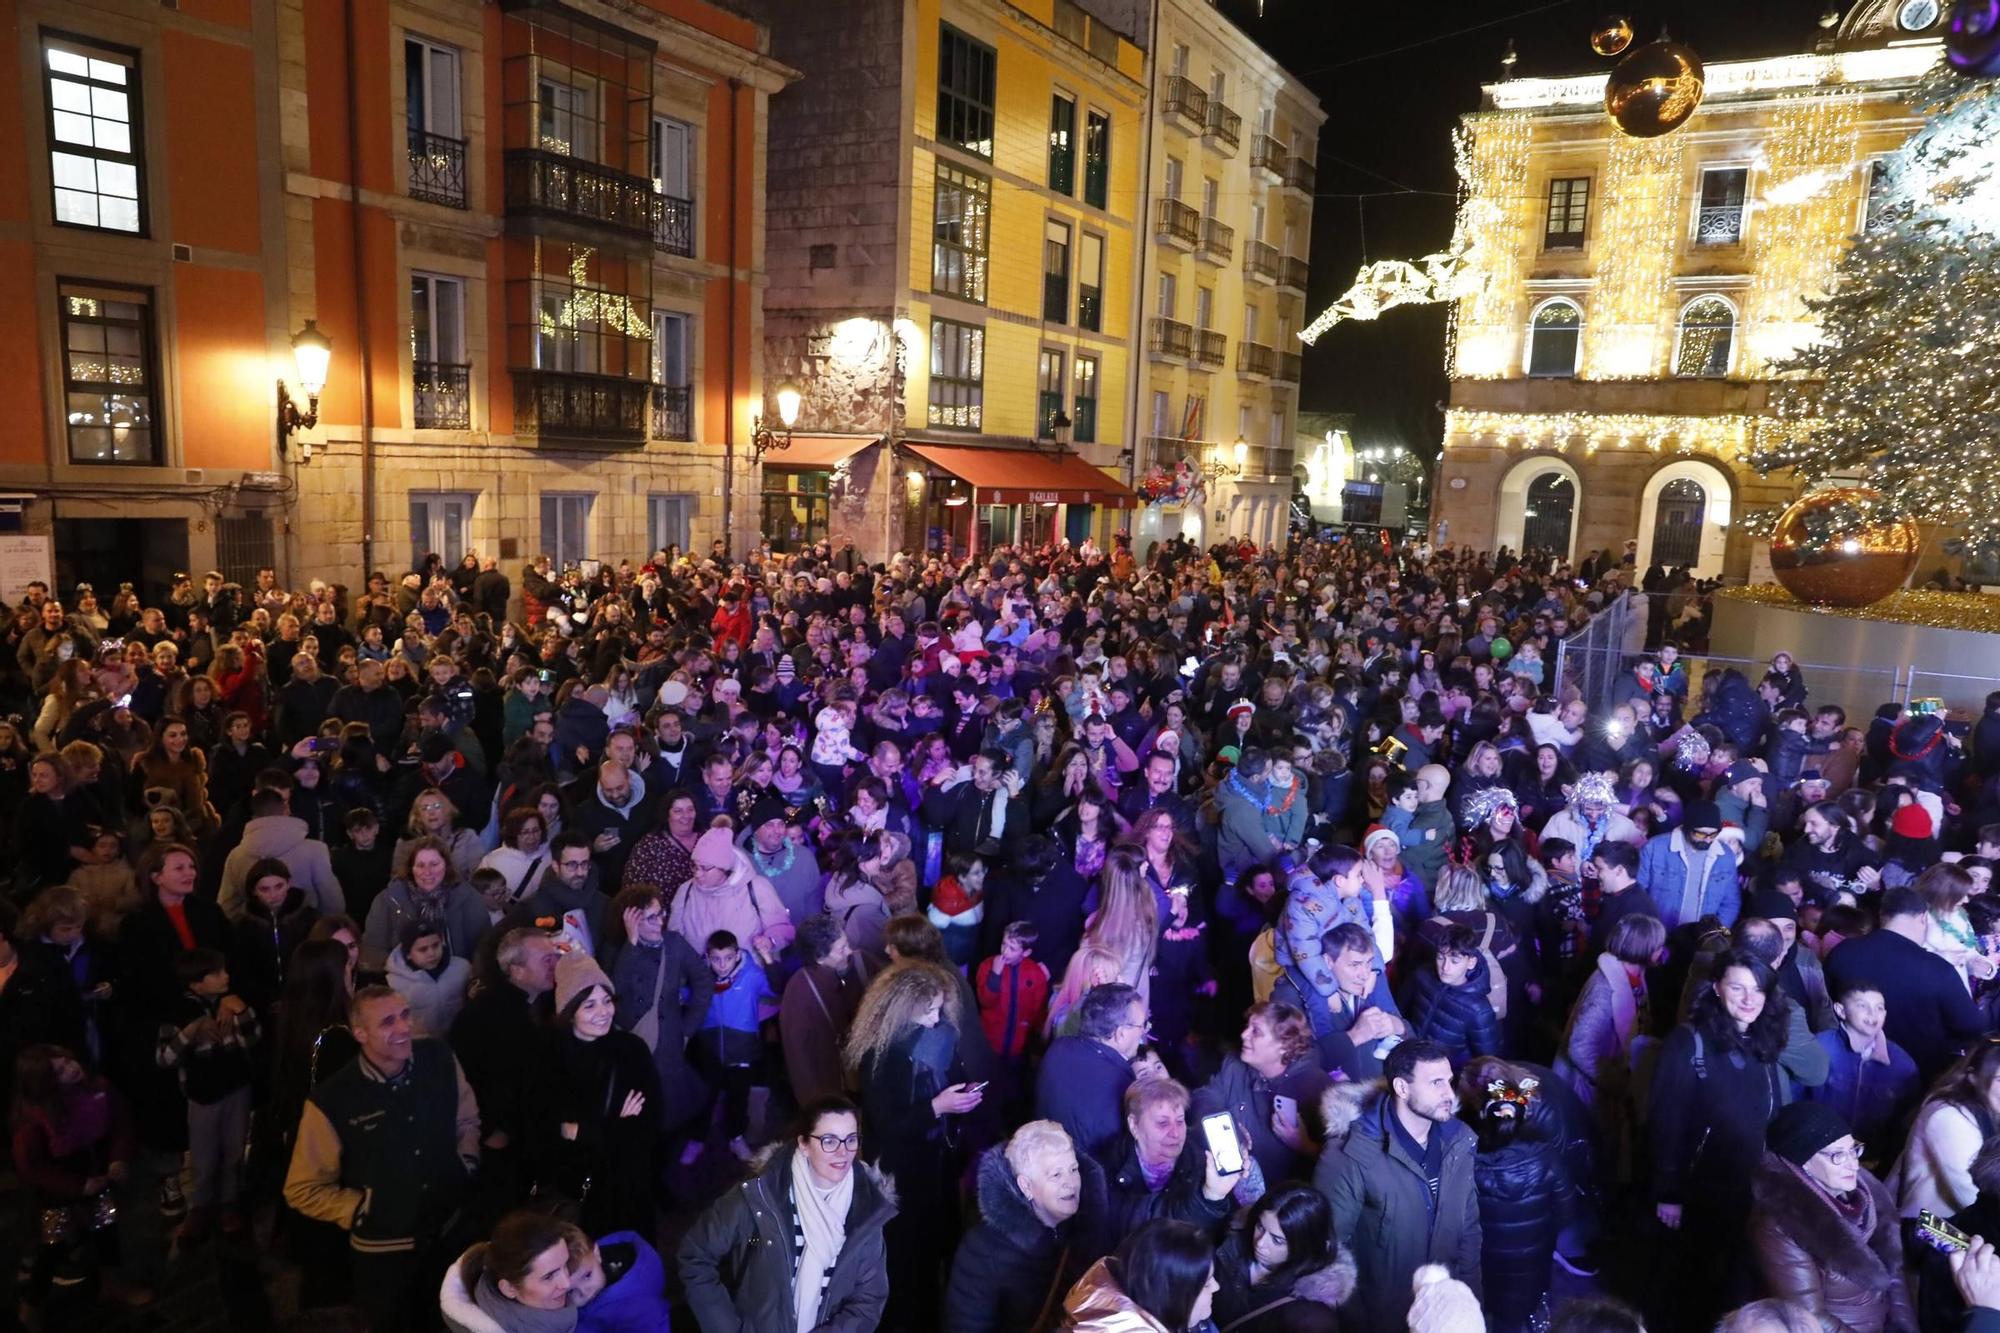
(729, 357)
(355, 234)
(1141, 240)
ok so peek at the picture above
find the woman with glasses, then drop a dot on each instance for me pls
(664, 988)
(797, 1246)
(1824, 1232)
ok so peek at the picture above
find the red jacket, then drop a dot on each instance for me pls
(732, 624)
(1012, 1004)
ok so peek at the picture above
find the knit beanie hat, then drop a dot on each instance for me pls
(577, 972)
(1771, 905)
(715, 849)
(1444, 1304)
(1702, 815)
(1911, 821)
(1802, 1129)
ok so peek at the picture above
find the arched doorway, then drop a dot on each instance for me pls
(1684, 515)
(1557, 509)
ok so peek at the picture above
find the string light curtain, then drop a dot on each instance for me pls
(1803, 223)
(1494, 209)
(1637, 242)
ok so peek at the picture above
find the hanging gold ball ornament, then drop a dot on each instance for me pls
(1611, 35)
(1823, 560)
(1654, 89)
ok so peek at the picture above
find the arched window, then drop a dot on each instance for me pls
(1555, 335)
(1546, 520)
(1707, 333)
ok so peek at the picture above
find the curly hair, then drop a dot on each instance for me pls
(1765, 1037)
(891, 1004)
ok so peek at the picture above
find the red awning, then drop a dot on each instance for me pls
(1027, 476)
(819, 451)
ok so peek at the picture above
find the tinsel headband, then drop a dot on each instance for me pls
(1485, 802)
(1593, 787)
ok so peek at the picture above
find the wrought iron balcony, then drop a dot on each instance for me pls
(1177, 223)
(1169, 339)
(1256, 360)
(1263, 460)
(1293, 273)
(1211, 347)
(1719, 226)
(1268, 155)
(1291, 366)
(437, 169)
(1165, 452)
(1185, 104)
(673, 412)
(673, 229)
(546, 184)
(440, 396)
(1223, 129)
(1261, 262)
(566, 407)
(1301, 175)
(1218, 241)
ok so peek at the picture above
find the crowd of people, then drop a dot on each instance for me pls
(1259, 941)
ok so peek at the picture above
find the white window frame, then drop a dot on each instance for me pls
(665, 129)
(1163, 413)
(584, 113)
(453, 328)
(1680, 332)
(1172, 177)
(432, 507)
(1870, 169)
(1169, 294)
(85, 163)
(451, 101)
(671, 328)
(1204, 307)
(1528, 342)
(669, 521)
(570, 507)
(1253, 324)
(1742, 213)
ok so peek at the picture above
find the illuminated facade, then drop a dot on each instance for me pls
(1610, 354)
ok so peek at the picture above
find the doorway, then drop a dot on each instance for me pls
(1677, 519)
(104, 553)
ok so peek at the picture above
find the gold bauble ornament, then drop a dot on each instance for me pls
(1842, 566)
(1611, 35)
(1654, 89)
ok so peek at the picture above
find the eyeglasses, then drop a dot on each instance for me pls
(838, 1143)
(1845, 1156)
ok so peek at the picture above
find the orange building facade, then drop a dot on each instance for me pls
(533, 233)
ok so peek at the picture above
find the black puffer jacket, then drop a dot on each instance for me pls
(1181, 1198)
(1011, 1271)
(1459, 1018)
(1523, 1189)
(1308, 1301)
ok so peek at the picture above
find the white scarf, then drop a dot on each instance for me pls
(822, 1218)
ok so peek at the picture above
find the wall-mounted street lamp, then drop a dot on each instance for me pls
(1061, 429)
(311, 350)
(762, 438)
(1213, 469)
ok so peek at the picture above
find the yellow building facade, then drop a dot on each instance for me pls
(1612, 364)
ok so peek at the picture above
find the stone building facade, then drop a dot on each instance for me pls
(1612, 365)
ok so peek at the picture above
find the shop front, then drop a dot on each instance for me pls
(978, 498)
(802, 482)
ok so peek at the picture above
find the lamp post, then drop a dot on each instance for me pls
(762, 438)
(1061, 429)
(311, 350)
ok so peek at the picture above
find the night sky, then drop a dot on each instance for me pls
(1393, 78)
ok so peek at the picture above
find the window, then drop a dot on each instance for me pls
(1096, 158)
(1083, 402)
(1204, 308)
(1258, 215)
(1062, 144)
(1877, 196)
(440, 379)
(1555, 334)
(673, 396)
(566, 528)
(441, 524)
(672, 158)
(1090, 282)
(796, 507)
(963, 207)
(1218, 85)
(1245, 419)
(667, 521)
(1210, 188)
(1163, 411)
(566, 118)
(94, 158)
(1275, 440)
(1055, 273)
(1180, 59)
(958, 373)
(1169, 295)
(431, 111)
(966, 77)
(1708, 327)
(108, 372)
(566, 336)
(1049, 392)
(1172, 179)
(1569, 210)
(1719, 220)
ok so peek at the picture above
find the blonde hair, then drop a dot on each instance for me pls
(1459, 890)
(890, 1005)
(1127, 923)
(1076, 980)
(1034, 1140)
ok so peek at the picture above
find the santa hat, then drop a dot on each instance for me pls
(1241, 708)
(1377, 833)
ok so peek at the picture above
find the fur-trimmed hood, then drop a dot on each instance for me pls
(1346, 1101)
(766, 1163)
(1329, 1286)
(1787, 1200)
(1007, 1211)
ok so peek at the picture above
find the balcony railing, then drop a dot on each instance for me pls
(1301, 175)
(1293, 273)
(1263, 460)
(562, 406)
(1165, 451)
(673, 412)
(440, 396)
(673, 228)
(1268, 155)
(437, 169)
(1291, 366)
(552, 185)
(1256, 359)
(1184, 98)
(1261, 261)
(1177, 222)
(1719, 226)
(1223, 129)
(1211, 347)
(1169, 338)
(1218, 241)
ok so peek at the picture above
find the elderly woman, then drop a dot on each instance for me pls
(799, 1245)
(431, 889)
(1272, 1087)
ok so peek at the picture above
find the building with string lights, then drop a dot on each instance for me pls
(1625, 299)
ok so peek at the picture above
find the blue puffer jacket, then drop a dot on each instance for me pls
(1737, 710)
(1523, 1191)
(637, 1301)
(1459, 1018)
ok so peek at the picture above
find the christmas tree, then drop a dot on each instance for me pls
(1903, 388)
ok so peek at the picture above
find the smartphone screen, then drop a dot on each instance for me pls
(1220, 1131)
